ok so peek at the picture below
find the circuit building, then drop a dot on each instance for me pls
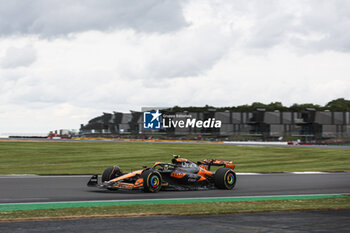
(259, 123)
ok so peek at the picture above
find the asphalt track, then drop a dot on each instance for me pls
(31, 188)
(271, 222)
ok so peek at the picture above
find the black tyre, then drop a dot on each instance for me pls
(152, 181)
(225, 178)
(111, 173)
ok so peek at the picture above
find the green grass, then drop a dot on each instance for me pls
(180, 209)
(88, 158)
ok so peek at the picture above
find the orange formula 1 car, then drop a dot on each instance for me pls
(180, 174)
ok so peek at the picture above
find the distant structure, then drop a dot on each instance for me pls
(260, 123)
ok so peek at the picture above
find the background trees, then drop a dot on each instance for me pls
(337, 105)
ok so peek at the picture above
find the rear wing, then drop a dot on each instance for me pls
(217, 162)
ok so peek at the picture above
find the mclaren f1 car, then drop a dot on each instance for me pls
(180, 174)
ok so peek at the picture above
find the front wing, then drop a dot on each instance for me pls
(111, 185)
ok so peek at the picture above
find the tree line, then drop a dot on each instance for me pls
(337, 105)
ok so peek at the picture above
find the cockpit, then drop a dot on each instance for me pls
(187, 164)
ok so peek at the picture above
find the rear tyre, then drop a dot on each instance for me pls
(152, 181)
(111, 173)
(225, 178)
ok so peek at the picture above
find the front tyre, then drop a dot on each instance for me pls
(225, 178)
(152, 181)
(111, 173)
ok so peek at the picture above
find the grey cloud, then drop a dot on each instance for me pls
(329, 19)
(270, 31)
(18, 57)
(191, 54)
(187, 53)
(296, 22)
(61, 17)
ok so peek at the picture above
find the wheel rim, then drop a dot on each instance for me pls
(230, 179)
(155, 182)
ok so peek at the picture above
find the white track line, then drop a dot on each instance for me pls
(306, 173)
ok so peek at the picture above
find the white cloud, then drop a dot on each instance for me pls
(41, 118)
(18, 57)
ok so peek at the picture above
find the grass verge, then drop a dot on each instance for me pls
(88, 157)
(179, 209)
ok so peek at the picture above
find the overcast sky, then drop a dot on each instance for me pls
(63, 62)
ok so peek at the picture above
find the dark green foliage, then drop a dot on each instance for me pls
(338, 105)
